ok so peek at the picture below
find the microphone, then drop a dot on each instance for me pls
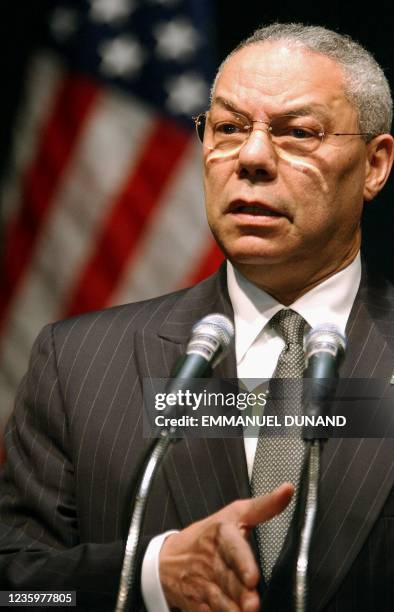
(325, 347)
(209, 342)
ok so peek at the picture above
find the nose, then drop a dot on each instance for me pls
(257, 159)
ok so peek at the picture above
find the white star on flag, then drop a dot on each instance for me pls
(186, 93)
(63, 23)
(176, 39)
(110, 10)
(122, 57)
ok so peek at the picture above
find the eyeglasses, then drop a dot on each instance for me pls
(295, 134)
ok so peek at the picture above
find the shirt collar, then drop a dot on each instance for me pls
(329, 302)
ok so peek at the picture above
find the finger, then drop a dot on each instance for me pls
(239, 557)
(250, 602)
(219, 601)
(230, 583)
(264, 507)
(247, 600)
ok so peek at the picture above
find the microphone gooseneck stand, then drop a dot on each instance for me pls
(316, 405)
(152, 462)
(311, 484)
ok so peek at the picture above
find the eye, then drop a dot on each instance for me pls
(227, 129)
(301, 133)
(291, 128)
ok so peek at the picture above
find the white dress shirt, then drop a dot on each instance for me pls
(257, 349)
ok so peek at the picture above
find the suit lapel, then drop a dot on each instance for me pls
(357, 474)
(203, 474)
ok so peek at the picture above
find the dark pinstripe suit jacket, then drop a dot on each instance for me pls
(75, 440)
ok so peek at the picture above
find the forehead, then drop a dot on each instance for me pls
(274, 76)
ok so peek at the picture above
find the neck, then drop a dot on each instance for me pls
(287, 284)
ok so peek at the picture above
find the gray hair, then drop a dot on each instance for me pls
(366, 86)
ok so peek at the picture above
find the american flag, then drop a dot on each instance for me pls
(104, 203)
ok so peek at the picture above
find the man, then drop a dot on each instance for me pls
(295, 141)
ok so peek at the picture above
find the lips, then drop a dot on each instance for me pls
(257, 209)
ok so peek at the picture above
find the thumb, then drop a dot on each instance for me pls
(264, 507)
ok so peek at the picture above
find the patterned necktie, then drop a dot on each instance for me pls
(279, 459)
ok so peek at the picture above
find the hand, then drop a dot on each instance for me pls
(210, 564)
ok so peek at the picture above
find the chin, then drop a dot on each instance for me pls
(251, 252)
(255, 260)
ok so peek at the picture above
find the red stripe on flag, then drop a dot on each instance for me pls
(208, 264)
(72, 103)
(129, 215)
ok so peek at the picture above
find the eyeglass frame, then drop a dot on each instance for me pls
(322, 135)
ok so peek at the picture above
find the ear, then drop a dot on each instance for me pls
(380, 155)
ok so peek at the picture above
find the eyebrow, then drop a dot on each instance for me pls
(317, 110)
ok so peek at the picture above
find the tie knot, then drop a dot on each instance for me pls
(290, 325)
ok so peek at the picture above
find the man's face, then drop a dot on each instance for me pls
(266, 207)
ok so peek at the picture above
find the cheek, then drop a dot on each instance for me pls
(310, 193)
(329, 189)
(351, 182)
(306, 170)
(217, 174)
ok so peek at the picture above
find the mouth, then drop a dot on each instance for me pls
(254, 209)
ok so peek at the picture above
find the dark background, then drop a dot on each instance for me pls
(22, 24)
